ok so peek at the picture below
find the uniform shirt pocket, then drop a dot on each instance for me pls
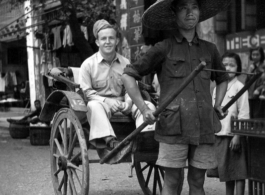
(170, 121)
(116, 85)
(176, 66)
(100, 84)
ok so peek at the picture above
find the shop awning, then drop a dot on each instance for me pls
(13, 19)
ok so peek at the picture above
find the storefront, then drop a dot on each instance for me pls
(33, 40)
(242, 42)
(13, 58)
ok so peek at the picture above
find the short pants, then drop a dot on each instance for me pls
(176, 155)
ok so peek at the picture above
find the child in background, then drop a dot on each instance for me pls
(260, 90)
(231, 149)
(257, 105)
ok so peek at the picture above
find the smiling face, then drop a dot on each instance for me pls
(107, 41)
(231, 66)
(188, 14)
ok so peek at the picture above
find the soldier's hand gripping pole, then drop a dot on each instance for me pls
(163, 105)
(247, 85)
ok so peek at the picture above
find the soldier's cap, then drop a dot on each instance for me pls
(99, 25)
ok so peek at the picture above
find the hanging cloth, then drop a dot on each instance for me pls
(8, 79)
(67, 39)
(84, 30)
(13, 78)
(2, 83)
(57, 43)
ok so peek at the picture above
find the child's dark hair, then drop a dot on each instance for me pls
(261, 51)
(237, 59)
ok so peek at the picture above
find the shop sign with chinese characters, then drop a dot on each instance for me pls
(129, 16)
(136, 38)
(243, 41)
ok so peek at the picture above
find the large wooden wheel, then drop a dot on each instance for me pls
(151, 176)
(69, 158)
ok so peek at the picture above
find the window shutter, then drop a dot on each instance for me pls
(221, 24)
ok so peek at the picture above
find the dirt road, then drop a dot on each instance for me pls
(25, 170)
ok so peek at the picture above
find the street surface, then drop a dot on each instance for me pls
(25, 170)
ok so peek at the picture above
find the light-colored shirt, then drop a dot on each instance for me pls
(99, 80)
(239, 109)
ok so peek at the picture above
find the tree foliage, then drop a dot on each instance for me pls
(90, 11)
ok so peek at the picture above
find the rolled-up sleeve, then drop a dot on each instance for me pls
(218, 77)
(152, 60)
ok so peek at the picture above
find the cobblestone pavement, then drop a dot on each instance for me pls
(25, 170)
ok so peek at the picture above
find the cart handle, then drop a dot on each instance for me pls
(246, 86)
(167, 101)
(58, 75)
(213, 70)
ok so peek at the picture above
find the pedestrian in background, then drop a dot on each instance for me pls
(257, 106)
(230, 148)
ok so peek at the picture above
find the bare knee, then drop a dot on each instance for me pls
(172, 177)
(196, 177)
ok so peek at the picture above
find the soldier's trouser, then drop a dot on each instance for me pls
(98, 116)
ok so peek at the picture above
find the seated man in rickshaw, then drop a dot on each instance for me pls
(100, 80)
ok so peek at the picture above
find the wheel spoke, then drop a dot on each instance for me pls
(158, 179)
(148, 176)
(146, 166)
(58, 146)
(61, 183)
(161, 172)
(70, 189)
(56, 155)
(65, 136)
(72, 146)
(71, 181)
(70, 136)
(75, 157)
(155, 181)
(69, 164)
(65, 183)
(57, 172)
(74, 172)
(62, 133)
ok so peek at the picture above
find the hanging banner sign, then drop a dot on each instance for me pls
(136, 16)
(243, 41)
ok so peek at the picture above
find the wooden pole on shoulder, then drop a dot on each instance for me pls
(164, 104)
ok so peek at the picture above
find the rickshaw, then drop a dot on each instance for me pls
(66, 108)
